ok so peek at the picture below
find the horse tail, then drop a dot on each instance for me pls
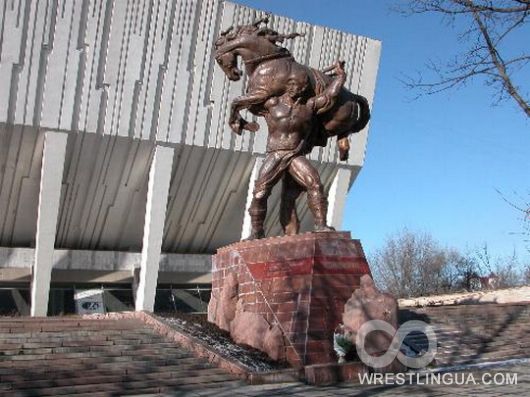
(364, 113)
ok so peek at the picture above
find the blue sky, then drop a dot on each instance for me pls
(432, 164)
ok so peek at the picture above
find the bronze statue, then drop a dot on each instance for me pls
(302, 107)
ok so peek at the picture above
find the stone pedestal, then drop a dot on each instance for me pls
(286, 295)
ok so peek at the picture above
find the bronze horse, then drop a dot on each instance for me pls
(269, 67)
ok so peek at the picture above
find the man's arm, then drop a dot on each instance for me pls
(323, 102)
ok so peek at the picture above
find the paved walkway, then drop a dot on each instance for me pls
(503, 375)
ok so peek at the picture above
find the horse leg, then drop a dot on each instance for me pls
(238, 123)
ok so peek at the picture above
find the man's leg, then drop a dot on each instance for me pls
(262, 189)
(288, 217)
(306, 175)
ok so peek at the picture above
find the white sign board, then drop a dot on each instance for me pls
(89, 301)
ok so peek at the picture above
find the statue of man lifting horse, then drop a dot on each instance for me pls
(302, 107)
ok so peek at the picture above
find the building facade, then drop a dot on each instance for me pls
(117, 166)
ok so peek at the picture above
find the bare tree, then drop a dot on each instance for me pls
(413, 264)
(522, 205)
(506, 272)
(492, 24)
(467, 270)
(526, 274)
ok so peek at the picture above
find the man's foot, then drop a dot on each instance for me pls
(344, 148)
(255, 235)
(323, 228)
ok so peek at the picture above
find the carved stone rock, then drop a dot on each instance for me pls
(368, 303)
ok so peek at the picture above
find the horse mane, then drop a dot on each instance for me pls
(254, 29)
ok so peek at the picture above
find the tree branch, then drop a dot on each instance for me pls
(491, 23)
(499, 64)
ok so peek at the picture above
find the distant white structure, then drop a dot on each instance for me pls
(115, 153)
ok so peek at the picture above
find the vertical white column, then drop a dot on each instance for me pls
(247, 226)
(337, 196)
(155, 216)
(49, 196)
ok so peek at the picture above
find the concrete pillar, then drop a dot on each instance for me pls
(247, 226)
(337, 196)
(49, 197)
(155, 216)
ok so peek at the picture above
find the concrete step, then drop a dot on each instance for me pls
(460, 360)
(484, 312)
(459, 339)
(170, 390)
(156, 359)
(82, 378)
(104, 370)
(112, 348)
(63, 326)
(123, 385)
(485, 329)
(504, 349)
(475, 333)
(478, 340)
(85, 343)
(74, 356)
(77, 334)
(53, 319)
(139, 350)
(109, 365)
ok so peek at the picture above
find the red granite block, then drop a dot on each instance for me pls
(299, 327)
(317, 322)
(281, 284)
(299, 282)
(324, 374)
(284, 307)
(317, 347)
(247, 298)
(280, 297)
(302, 284)
(334, 281)
(245, 288)
(285, 317)
(319, 334)
(321, 357)
(293, 357)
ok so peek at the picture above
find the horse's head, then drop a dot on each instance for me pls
(251, 42)
(227, 60)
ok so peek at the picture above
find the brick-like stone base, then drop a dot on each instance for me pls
(328, 374)
(298, 284)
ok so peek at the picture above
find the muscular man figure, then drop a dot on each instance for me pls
(290, 120)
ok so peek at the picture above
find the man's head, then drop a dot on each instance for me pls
(296, 85)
